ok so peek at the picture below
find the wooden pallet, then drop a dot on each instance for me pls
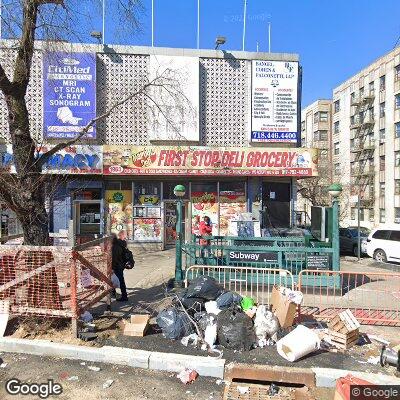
(344, 340)
(344, 322)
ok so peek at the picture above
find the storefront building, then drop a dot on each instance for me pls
(233, 142)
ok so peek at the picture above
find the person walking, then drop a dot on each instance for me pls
(205, 230)
(118, 264)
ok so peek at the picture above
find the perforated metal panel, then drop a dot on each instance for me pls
(118, 76)
(34, 95)
(224, 88)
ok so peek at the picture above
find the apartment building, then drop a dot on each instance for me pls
(366, 142)
(316, 131)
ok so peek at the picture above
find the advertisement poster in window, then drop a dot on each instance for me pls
(120, 211)
(147, 230)
(204, 204)
(274, 101)
(232, 204)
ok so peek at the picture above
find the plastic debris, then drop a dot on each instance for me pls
(212, 307)
(378, 339)
(243, 389)
(266, 324)
(374, 360)
(205, 288)
(94, 368)
(251, 312)
(108, 383)
(174, 323)
(187, 376)
(3, 365)
(73, 378)
(83, 363)
(210, 335)
(273, 389)
(293, 296)
(87, 317)
(219, 382)
(192, 339)
(247, 303)
(227, 299)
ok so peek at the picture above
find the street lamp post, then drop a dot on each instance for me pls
(179, 192)
(334, 190)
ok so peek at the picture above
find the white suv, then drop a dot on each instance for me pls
(383, 244)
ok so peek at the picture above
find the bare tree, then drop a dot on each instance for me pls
(24, 191)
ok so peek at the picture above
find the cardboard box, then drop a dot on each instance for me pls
(284, 309)
(137, 326)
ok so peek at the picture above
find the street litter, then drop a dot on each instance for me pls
(174, 323)
(210, 334)
(266, 325)
(94, 368)
(284, 304)
(243, 389)
(374, 360)
(390, 357)
(187, 376)
(137, 326)
(226, 299)
(378, 339)
(204, 287)
(344, 330)
(190, 339)
(73, 378)
(3, 365)
(87, 317)
(298, 343)
(108, 383)
(247, 303)
(212, 307)
(273, 390)
(83, 363)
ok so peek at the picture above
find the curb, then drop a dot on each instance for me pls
(205, 366)
(170, 362)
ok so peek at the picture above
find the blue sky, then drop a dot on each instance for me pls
(335, 39)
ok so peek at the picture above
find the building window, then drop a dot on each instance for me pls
(352, 213)
(336, 106)
(397, 73)
(382, 135)
(371, 214)
(382, 110)
(397, 186)
(336, 148)
(361, 214)
(336, 127)
(397, 101)
(397, 158)
(397, 129)
(320, 135)
(382, 215)
(352, 120)
(362, 92)
(381, 163)
(382, 189)
(397, 215)
(303, 125)
(303, 142)
(382, 83)
(371, 88)
(337, 169)
(323, 116)
(351, 143)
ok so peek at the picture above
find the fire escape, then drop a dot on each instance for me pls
(362, 157)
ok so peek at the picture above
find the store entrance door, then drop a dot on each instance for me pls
(87, 220)
(170, 222)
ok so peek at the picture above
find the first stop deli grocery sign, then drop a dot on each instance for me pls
(203, 161)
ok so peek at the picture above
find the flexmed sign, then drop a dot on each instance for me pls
(183, 160)
(69, 88)
(78, 159)
(274, 101)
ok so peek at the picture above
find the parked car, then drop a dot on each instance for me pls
(348, 238)
(383, 244)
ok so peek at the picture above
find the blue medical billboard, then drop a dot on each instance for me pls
(69, 89)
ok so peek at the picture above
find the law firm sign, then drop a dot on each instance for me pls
(69, 89)
(274, 101)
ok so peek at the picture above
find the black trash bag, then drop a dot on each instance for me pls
(205, 320)
(204, 287)
(235, 330)
(227, 299)
(174, 323)
(193, 304)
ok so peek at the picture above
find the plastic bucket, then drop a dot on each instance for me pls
(298, 343)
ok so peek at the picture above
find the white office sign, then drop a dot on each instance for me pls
(174, 100)
(274, 101)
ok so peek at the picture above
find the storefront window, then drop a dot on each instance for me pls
(147, 193)
(204, 198)
(232, 204)
(168, 189)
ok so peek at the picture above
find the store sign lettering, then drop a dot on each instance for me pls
(148, 199)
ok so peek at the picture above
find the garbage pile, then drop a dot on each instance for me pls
(206, 313)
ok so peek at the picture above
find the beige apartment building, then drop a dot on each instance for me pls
(364, 141)
(316, 131)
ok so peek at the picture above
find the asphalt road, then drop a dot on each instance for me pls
(79, 382)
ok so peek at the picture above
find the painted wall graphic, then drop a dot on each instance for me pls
(120, 211)
(204, 204)
(198, 161)
(274, 101)
(69, 90)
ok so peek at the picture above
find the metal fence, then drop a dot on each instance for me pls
(256, 283)
(55, 281)
(373, 297)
